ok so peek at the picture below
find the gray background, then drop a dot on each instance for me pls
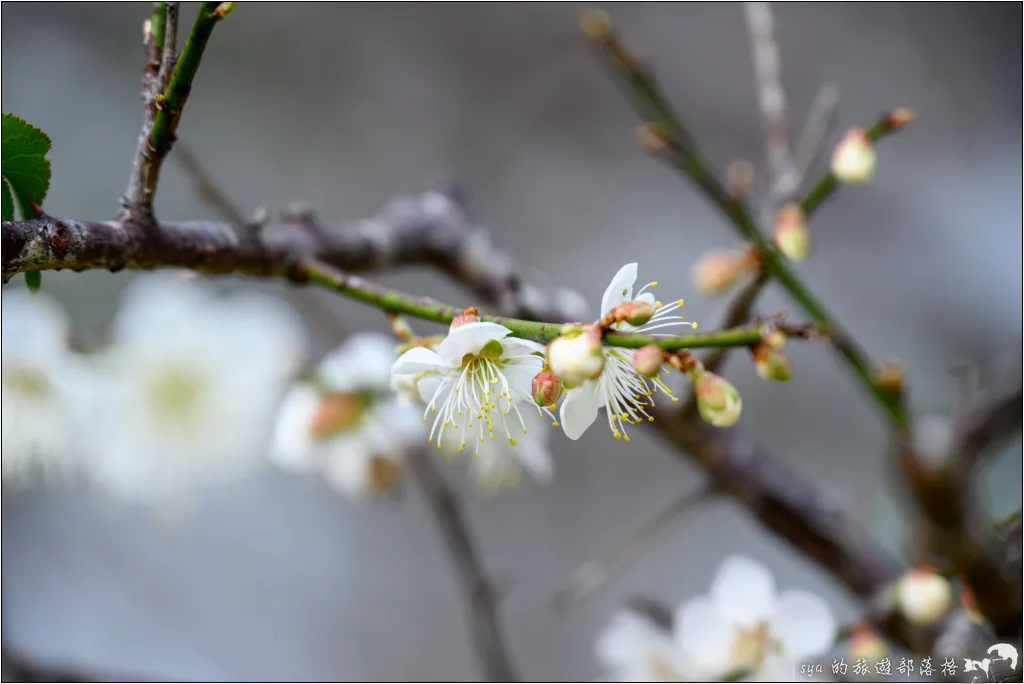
(342, 106)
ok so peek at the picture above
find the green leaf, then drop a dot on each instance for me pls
(8, 202)
(24, 164)
(34, 280)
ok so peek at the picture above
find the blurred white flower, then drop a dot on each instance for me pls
(744, 625)
(497, 464)
(186, 392)
(345, 423)
(483, 376)
(622, 392)
(632, 648)
(37, 432)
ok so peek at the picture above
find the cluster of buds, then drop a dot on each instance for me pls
(790, 233)
(769, 361)
(575, 355)
(923, 596)
(717, 271)
(854, 159)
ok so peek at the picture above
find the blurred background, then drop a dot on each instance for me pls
(342, 106)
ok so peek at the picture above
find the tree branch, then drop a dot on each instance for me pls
(164, 103)
(481, 602)
(643, 93)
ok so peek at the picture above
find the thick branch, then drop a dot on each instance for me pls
(481, 601)
(650, 103)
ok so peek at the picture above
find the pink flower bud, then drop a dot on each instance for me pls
(717, 400)
(924, 596)
(471, 315)
(790, 233)
(719, 270)
(547, 388)
(854, 159)
(637, 312)
(864, 643)
(647, 360)
(771, 364)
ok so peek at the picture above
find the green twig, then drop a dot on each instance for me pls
(646, 98)
(365, 291)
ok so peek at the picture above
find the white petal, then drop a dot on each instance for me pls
(33, 324)
(153, 301)
(469, 339)
(647, 297)
(532, 450)
(803, 623)
(704, 636)
(417, 360)
(743, 591)
(348, 469)
(291, 447)
(520, 374)
(626, 639)
(777, 669)
(620, 289)
(517, 345)
(579, 410)
(267, 329)
(363, 362)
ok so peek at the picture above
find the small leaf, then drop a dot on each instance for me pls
(34, 280)
(8, 201)
(24, 164)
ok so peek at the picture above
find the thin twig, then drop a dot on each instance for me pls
(481, 602)
(593, 574)
(819, 122)
(170, 55)
(771, 98)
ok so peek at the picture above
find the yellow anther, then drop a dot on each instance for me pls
(658, 305)
(555, 424)
(511, 441)
(617, 435)
(653, 284)
(625, 437)
(694, 325)
(650, 419)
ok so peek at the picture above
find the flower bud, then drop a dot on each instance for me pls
(900, 118)
(647, 360)
(771, 364)
(924, 596)
(653, 138)
(635, 313)
(790, 233)
(718, 401)
(471, 315)
(596, 24)
(776, 339)
(576, 356)
(547, 388)
(864, 643)
(719, 270)
(224, 9)
(401, 329)
(854, 159)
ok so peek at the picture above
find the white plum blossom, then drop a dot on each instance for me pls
(186, 392)
(482, 375)
(37, 399)
(619, 389)
(345, 423)
(633, 648)
(744, 624)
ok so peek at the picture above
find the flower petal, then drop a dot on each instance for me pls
(469, 339)
(803, 623)
(647, 298)
(743, 591)
(348, 469)
(291, 446)
(417, 360)
(625, 640)
(620, 289)
(363, 362)
(704, 636)
(517, 345)
(579, 410)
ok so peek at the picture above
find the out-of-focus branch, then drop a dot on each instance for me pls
(20, 667)
(481, 600)
(938, 464)
(771, 98)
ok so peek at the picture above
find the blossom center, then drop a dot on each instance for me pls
(28, 382)
(751, 646)
(173, 394)
(336, 413)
